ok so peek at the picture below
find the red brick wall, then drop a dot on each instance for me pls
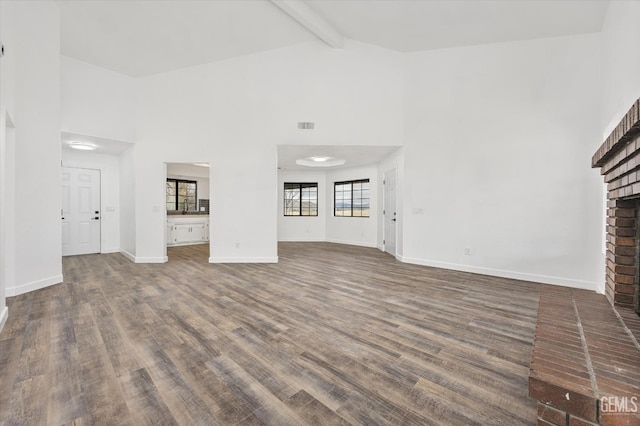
(619, 161)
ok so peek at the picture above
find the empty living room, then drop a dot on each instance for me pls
(320, 212)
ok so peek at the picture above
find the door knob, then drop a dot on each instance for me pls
(393, 220)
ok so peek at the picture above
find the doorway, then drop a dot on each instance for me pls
(389, 212)
(80, 210)
(187, 211)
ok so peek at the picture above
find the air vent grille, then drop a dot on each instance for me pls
(306, 125)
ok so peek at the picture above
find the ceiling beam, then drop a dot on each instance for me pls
(305, 16)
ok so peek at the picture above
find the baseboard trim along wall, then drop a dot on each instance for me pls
(128, 255)
(243, 259)
(163, 259)
(109, 251)
(34, 285)
(352, 243)
(4, 314)
(544, 279)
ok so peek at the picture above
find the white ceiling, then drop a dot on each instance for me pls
(355, 156)
(141, 38)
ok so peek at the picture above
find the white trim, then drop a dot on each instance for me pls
(243, 259)
(111, 250)
(545, 279)
(352, 243)
(3, 317)
(128, 255)
(163, 259)
(34, 285)
(302, 240)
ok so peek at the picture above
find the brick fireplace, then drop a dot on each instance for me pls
(585, 361)
(619, 161)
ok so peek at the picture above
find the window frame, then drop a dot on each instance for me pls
(177, 202)
(351, 183)
(300, 185)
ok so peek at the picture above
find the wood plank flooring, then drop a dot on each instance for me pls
(331, 335)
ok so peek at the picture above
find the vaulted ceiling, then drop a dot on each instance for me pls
(140, 38)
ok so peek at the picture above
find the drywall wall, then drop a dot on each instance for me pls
(128, 203)
(620, 62)
(303, 228)
(36, 116)
(109, 166)
(97, 102)
(497, 157)
(360, 231)
(233, 114)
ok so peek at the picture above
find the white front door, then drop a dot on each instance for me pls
(390, 212)
(80, 211)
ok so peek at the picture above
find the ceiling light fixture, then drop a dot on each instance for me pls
(82, 146)
(320, 161)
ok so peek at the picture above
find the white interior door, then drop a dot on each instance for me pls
(80, 211)
(390, 212)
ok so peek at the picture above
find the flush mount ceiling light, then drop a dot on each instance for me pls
(82, 146)
(320, 161)
(201, 164)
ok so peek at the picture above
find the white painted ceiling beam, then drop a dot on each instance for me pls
(313, 22)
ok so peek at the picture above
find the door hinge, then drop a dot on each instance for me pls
(384, 212)
(384, 241)
(384, 182)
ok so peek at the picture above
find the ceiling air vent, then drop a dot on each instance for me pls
(306, 125)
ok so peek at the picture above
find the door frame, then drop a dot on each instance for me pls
(384, 204)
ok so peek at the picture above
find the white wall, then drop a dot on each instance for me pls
(36, 104)
(497, 156)
(128, 203)
(303, 228)
(359, 231)
(109, 166)
(620, 62)
(97, 102)
(234, 113)
(7, 159)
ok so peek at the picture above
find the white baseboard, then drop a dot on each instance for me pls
(128, 255)
(352, 243)
(32, 286)
(243, 259)
(109, 250)
(301, 240)
(544, 279)
(4, 314)
(163, 259)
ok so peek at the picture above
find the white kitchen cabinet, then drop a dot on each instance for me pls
(182, 230)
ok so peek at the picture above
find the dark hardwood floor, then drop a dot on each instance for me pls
(332, 334)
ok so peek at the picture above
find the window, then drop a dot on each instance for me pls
(301, 199)
(351, 198)
(182, 195)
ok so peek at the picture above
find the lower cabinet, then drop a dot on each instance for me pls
(187, 233)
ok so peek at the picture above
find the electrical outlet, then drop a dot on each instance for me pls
(237, 245)
(467, 251)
